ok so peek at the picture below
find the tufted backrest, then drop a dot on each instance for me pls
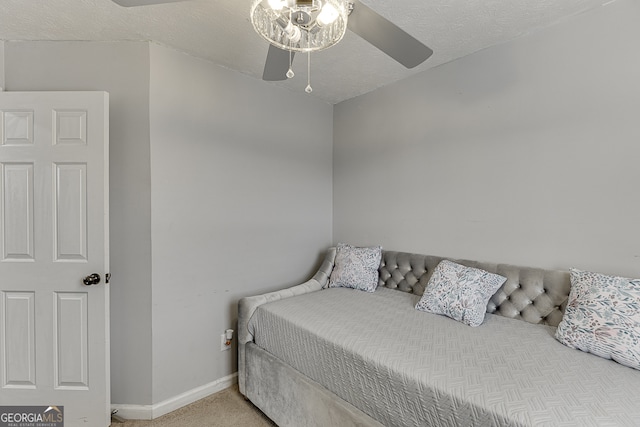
(529, 294)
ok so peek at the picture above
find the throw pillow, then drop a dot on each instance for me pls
(603, 317)
(459, 292)
(356, 268)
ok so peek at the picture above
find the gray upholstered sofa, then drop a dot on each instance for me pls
(310, 356)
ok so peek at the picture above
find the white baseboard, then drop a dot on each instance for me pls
(150, 412)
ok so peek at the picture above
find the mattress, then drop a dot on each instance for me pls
(403, 367)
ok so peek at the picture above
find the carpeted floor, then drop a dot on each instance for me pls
(227, 408)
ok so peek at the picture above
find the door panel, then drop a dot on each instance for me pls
(70, 200)
(54, 329)
(17, 127)
(19, 363)
(17, 212)
(71, 341)
(70, 127)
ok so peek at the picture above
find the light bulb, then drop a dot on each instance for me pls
(293, 32)
(328, 14)
(290, 74)
(308, 89)
(277, 4)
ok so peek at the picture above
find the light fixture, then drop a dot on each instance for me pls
(300, 25)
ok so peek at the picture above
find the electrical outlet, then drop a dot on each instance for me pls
(223, 343)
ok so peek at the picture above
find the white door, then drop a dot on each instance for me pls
(54, 329)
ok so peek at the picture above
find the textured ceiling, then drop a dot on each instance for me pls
(220, 31)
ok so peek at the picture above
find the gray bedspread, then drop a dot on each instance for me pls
(408, 368)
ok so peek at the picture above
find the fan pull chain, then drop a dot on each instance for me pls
(309, 89)
(290, 72)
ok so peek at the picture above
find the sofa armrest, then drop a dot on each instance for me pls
(248, 305)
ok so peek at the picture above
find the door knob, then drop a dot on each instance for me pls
(92, 279)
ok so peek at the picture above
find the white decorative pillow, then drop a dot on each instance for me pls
(603, 317)
(356, 268)
(459, 292)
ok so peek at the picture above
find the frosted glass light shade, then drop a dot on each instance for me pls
(322, 23)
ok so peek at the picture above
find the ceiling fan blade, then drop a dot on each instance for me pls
(277, 65)
(130, 3)
(387, 36)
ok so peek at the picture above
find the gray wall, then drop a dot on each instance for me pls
(213, 197)
(241, 204)
(524, 153)
(122, 69)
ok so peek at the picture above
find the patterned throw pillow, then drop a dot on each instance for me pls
(356, 268)
(603, 317)
(459, 292)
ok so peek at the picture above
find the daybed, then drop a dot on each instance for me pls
(310, 356)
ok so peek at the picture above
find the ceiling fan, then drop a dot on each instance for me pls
(306, 26)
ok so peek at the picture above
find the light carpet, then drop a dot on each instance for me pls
(227, 408)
